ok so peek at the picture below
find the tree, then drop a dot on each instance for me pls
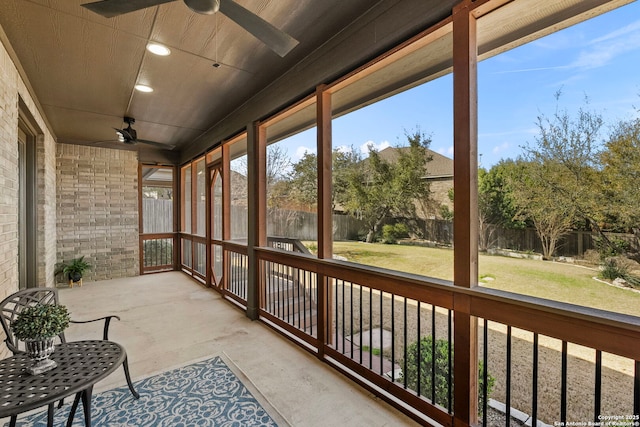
(379, 189)
(621, 175)
(561, 180)
(303, 179)
(496, 206)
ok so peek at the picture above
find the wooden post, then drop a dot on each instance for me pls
(325, 222)
(257, 194)
(465, 231)
(226, 211)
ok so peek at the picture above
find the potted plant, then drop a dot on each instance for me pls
(73, 269)
(37, 326)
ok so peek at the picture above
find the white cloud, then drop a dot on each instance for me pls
(364, 148)
(604, 49)
(301, 151)
(499, 148)
(343, 149)
(445, 151)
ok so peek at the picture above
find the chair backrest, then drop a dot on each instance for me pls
(12, 305)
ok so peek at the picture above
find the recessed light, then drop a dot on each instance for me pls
(158, 49)
(144, 88)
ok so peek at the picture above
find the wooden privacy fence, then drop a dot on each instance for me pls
(158, 218)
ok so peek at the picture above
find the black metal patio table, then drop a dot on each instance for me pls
(81, 364)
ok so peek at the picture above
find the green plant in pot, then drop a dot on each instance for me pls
(38, 326)
(73, 269)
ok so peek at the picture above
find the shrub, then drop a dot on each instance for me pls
(613, 268)
(391, 233)
(442, 371)
(158, 252)
(617, 246)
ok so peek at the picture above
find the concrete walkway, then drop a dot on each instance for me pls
(169, 320)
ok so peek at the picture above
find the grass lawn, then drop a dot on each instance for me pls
(544, 279)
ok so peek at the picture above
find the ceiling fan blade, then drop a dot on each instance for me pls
(111, 8)
(277, 40)
(156, 144)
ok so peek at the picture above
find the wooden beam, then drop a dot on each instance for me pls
(465, 224)
(325, 223)
(257, 195)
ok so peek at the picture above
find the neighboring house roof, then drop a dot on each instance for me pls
(439, 167)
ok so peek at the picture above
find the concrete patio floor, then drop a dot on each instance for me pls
(169, 320)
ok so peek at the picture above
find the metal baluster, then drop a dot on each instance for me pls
(393, 336)
(636, 390)
(508, 399)
(597, 397)
(351, 322)
(563, 392)
(433, 354)
(404, 367)
(419, 358)
(534, 391)
(450, 362)
(361, 330)
(381, 333)
(485, 370)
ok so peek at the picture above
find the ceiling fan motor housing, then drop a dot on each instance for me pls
(206, 7)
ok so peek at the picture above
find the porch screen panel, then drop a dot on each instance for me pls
(239, 220)
(292, 175)
(201, 189)
(186, 200)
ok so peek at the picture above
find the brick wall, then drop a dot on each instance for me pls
(97, 209)
(8, 179)
(13, 91)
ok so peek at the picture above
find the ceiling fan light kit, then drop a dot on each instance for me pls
(129, 136)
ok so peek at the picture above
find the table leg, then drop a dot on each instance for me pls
(50, 415)
(86, 403)
(74, 407)
(12, 423)
(128, 377)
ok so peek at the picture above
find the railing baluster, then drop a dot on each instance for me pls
(485, 369)
(343, 320)
(508, 374)
(370, 328)
(404, 364)
(450, 361)
(534, 391)
(381, 333)
(351, 323)
(361, 330)
(597, 395)
(335, 320)
(433, 354)
(419, 358)
(393, 336)
(563, 386)
(636, 390)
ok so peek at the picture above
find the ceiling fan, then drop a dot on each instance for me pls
(277, 40)
(129, 136)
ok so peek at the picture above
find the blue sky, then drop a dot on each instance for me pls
(598, 59)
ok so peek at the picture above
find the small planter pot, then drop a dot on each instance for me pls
(39, 351)
(75, 276)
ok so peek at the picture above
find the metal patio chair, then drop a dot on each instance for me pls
(11, 307)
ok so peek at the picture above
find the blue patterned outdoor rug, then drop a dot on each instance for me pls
(206, 393)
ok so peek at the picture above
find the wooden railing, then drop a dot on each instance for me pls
(352, 308)
(157, 252)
